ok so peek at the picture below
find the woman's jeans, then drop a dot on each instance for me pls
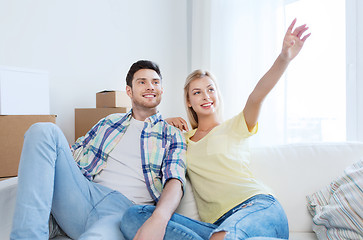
(260, 217)
(51, 182)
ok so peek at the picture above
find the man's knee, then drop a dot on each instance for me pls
(41, 128)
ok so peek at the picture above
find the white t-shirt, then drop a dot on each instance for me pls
(123, 171)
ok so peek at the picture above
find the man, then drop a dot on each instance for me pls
(125, 159)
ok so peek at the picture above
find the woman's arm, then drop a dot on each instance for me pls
(292, 44)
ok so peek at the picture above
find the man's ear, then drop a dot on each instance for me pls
(129, 91)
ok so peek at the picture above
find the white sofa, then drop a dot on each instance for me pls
(293, 171)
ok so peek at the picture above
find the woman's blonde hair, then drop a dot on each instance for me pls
(192, 115)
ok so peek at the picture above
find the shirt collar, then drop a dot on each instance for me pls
(152, 119)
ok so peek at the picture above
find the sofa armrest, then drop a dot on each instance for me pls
(7, 204)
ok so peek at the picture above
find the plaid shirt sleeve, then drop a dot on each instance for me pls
(175, 160)
(81, 148)
(83, 141)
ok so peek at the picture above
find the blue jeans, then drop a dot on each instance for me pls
(51, 182)
(178, 228)
(261, 218)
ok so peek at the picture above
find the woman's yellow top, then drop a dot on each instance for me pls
(218, 168)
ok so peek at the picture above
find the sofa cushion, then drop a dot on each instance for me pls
(337, 209)
(188, 206)
(294, 171)
(302, 236)
(7, 205)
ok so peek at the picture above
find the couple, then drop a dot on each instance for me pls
(125, 177)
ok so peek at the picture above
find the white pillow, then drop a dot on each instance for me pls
(337, 209)
(188, 206)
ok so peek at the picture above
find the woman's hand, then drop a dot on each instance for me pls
(178, 122)
(293, 41)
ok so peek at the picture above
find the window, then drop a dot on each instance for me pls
(316, 80)
(238, 41)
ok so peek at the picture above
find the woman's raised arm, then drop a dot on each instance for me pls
(292, 44)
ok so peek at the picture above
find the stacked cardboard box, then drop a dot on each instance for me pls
(107, 102)
(112, 99)
(24, 100)
(12, 129)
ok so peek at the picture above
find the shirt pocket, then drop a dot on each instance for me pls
(217, 145)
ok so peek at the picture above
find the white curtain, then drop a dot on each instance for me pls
(238, 41)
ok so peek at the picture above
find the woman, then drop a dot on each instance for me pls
(227, 194)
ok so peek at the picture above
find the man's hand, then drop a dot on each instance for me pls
(152, 229)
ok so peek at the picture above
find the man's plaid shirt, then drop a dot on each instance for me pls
(163, 149)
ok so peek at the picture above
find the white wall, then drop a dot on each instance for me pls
(89, 45)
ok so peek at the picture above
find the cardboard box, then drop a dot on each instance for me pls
(23, 91)
(86, 118)
(112, 99)
(12, 129)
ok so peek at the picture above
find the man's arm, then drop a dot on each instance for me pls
(154, 228)
(174, 170)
